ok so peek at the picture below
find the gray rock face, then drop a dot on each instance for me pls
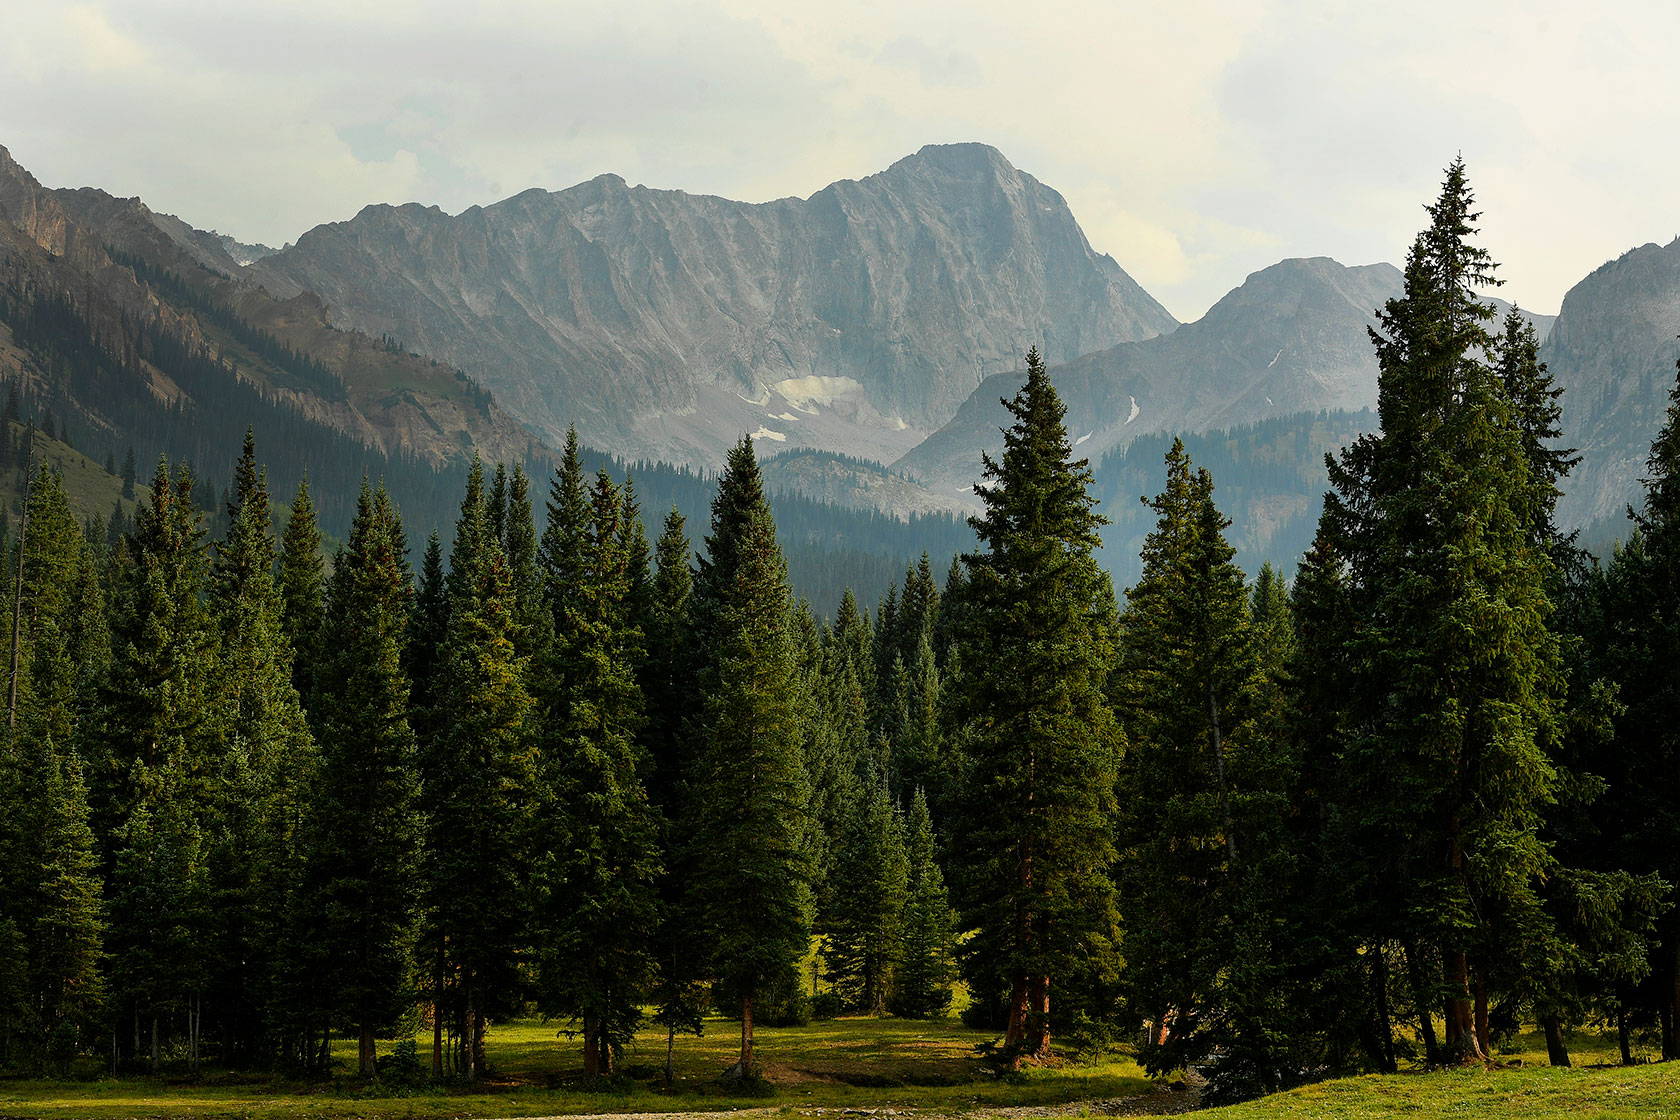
(1613, 350)
(1292, 338)
(665, 324)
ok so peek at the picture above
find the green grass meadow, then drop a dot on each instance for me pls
(848, 1065)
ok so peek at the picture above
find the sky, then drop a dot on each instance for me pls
(1195, 141)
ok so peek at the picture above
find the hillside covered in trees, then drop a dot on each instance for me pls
(604, 765)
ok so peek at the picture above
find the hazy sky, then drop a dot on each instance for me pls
(1196, 141)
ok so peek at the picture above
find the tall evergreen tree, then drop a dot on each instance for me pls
(748, 811)
(266, 760)
(598, 890)
(1457, 672)
(353, 922)
(871, 880)
(478, 784)
(1032, 835)
(922, 985)
(1203, 801)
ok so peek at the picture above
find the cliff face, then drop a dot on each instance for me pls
(664, 324)
(1292, 338)
(1613, 350)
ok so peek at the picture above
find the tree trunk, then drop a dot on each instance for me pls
(1462, 1047)
(479, 1064)
(364, 1049)
(1622, 1038)
(469, 1053)
(1426, 1021)
(1015, 1030)
(746, 1034)
(157, 1047)
(1671, 1043)
(1484, 1038)
(437, 1019)
(591, 1053)
(1556, 1052)
(1380, 1042)
(1038, 1018)
(670, 1052)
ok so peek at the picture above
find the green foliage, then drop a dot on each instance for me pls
(477, 791)
(748, 824)
(599, 905)
(1455, 678)
(353, 920)
(1031, 839)
(922, 982)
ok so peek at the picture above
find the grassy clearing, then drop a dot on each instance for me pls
(1533, 1094)
(849, 1063)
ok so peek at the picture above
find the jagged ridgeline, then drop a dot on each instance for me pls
(94, 376)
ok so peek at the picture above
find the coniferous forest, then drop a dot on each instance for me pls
(592, 760)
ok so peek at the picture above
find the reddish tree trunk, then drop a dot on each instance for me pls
(364, 1049)
(591, 1052)
(1462, 1047)
(1037, 1043)
(746, 1034)
(1015, 1031)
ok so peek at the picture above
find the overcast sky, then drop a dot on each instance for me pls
(1196, 141)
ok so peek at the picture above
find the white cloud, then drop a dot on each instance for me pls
(1195, 143)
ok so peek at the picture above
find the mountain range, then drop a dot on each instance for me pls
(863, 335)
(663, 324)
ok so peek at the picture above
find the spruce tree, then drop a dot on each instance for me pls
(922, 985)
(267, 762)
(667, 672)
(155, 782)
(303, 592)
(1457, 674)
(353, 922)
(748, 812)
(1203, 801)
(1031, 837)
(871, 879)
(598, 909)
(477, 787)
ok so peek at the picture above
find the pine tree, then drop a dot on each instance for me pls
(871, 881)
(598, 885)
(154, 780)
(66, 939)
(353, 923)
(1204, 801)
(267, 762)
(128, 475)
(922, 985)
(1456, 672)
(667, 672)
(477, 783)
(748, 814)
(303, 592)
(1031, 836)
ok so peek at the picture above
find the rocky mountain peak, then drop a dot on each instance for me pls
(663, 324)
